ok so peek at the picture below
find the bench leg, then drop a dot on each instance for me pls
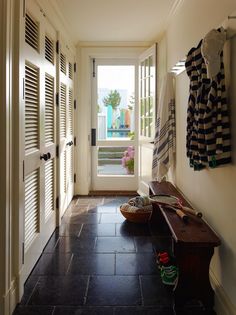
(193, 282)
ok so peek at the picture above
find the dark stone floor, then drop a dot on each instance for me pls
(98, 263)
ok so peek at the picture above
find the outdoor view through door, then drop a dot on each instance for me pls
(114, 121)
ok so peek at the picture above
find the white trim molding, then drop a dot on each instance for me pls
(6, 22)
(83, 113)
(223, 305)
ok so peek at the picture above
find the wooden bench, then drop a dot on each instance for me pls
(193, 247)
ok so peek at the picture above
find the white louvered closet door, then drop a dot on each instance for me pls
(66, 134)
(38, 126)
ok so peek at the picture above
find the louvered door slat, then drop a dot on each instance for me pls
(49, 109)
(31, 32)
(49, 188)
(31, 108)
(63, 63)
(70, 113)
(70, 164)
(70, 71)
(63, 111)
(65, 171)
(49, 49)
(31, 207)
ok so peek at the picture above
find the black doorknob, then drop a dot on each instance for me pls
(45, 156)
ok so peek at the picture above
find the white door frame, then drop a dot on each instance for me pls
(83, 115)
(146, 142)
(113, 182)
(7, 283)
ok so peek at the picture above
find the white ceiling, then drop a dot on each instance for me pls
(116, 20)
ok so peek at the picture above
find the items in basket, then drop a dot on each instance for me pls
(137, 210)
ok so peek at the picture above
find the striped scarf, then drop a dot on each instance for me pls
(164, 143)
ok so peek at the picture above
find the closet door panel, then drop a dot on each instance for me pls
(39, 136)
(66, 133)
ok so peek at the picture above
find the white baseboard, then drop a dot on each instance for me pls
(223, 305)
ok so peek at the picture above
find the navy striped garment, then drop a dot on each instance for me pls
(208, 128)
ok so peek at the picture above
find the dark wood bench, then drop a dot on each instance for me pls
(193, 247)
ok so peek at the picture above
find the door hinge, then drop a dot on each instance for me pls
(57, 151)
(57, 46)
(57, 99)
(23, 171)
(74, 104)
(74, 141)
(74, 178)
(94, 73)
(57, 202)
(23, 253)
(75, 67)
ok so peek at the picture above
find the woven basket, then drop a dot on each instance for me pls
(137, 217)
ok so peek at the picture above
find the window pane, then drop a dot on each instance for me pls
(116, 160)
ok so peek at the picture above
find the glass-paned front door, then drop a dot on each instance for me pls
(114, 95)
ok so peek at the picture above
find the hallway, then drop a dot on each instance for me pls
(98, 263)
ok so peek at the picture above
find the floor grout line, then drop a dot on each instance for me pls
(86, 290)
(72, 256)
(141, 291)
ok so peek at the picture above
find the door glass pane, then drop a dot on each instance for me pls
(115, 161)
(115, 102)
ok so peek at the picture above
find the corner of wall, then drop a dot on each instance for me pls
(223, 305)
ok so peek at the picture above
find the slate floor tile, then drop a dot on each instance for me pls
(59, 290)
(194, 311)
(144, 243)
(89, 200)
(33, 310)
(92, 264)
(136, 264)
(52, 264)
(103, 209)
(127, 310)
(112, 218)
(154, 243)
(114, 244)
(93, 230)
(74, 244)
(113, 290)
(69, 229)
(155, 292)
(89, 218)
(78, 210)
(49, 248)
(28, 288)
(85, 310)
(132, 229)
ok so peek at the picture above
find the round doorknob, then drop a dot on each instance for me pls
(70, 143)
(45, 156)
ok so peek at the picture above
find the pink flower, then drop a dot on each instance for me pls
(131, 154)
(130, 149)
(123, 161)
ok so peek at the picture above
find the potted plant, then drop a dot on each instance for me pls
(128, 160)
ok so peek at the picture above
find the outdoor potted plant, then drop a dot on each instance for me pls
(128, 160)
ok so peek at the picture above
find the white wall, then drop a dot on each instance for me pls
(192, 21)
(210, 191)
